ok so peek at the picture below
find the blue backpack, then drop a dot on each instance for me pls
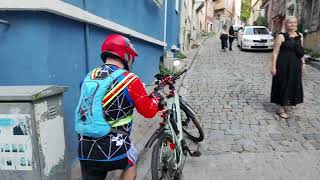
(89, 115)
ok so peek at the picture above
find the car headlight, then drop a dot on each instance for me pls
(270, 40)
(246, 40)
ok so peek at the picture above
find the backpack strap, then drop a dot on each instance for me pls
(118, 88)
(126, 91)
(111, 95)
(120, 122)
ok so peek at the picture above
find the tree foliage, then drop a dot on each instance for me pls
(262, 21)
(245, 10)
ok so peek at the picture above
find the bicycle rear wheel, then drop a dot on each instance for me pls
(191, 126)
(163, 159)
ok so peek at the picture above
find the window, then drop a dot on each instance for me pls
(177, 6)
(255, 31)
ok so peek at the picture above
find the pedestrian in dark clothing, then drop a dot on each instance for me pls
(287, 66)
(231, 37)
(224, 38)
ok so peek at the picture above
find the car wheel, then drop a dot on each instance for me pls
(241, 48)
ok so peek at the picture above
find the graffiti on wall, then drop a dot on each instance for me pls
(15, 142)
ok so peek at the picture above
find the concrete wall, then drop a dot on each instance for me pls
(312, 40)
(185, 25)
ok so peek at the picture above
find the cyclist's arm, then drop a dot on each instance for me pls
(145, 105)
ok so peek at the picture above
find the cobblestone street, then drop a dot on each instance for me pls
(245, 139)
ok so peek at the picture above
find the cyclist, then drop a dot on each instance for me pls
(115, 150)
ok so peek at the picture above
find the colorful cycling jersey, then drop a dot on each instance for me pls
(116, 147)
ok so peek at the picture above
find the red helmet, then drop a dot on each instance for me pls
(120, 46)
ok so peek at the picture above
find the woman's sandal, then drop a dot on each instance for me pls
(283, 115)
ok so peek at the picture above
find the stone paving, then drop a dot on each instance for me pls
(245, 139)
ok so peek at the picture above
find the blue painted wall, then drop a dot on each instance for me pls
(140, 15)
(41, 48)
(173, 24)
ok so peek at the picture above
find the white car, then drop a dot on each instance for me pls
(255, 37)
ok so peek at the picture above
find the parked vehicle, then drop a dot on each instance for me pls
(255, 37)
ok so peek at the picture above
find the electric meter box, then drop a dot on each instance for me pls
(32, 138)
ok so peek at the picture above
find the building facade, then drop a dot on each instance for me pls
(209, 9)
(200, 16)
(266, 7)
(255, 11)
(308, 16)
(278, 14)
(58, 42)
(204, 15)
(307, 13)
(187, 24)
(224, 13)
(237, 13)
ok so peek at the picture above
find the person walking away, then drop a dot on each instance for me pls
(287, 67)
(231, 37)
(224, 38)
(103, 117)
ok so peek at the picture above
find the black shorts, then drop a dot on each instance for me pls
(98, 156)
(96, 170)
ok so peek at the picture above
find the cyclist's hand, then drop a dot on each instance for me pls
(160, 99)
(161, 104)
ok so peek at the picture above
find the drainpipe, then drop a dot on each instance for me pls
(86, 40)
(165, 23)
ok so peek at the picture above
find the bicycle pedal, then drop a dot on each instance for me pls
(195, 153)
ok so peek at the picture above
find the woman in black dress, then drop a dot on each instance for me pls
(287, 66)
(231, 37)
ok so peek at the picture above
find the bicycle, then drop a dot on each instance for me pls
(170, 151)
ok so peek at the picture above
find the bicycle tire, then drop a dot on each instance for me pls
(191, 116)
(156, 159)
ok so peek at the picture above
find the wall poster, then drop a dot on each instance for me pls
(15, 142)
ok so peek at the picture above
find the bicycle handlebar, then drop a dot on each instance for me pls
(177, 76)
(167, 80)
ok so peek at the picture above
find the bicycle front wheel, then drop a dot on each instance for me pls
(163, 159)
(191, 126)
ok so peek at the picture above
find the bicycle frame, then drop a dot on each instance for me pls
(173, 105)
(171, 124)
